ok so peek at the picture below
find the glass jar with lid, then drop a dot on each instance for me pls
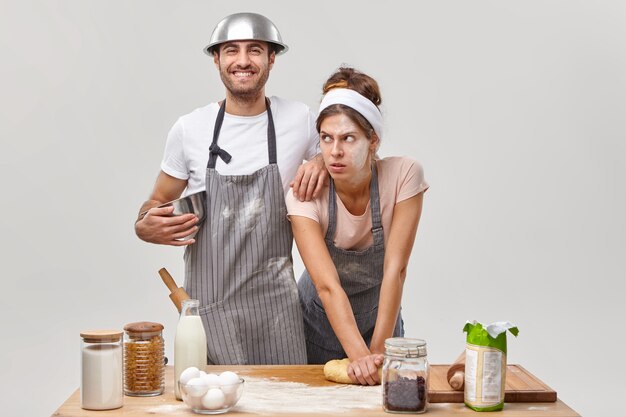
(144, 361)
(101, 369)
(405, 376)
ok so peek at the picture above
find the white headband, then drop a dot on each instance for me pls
(354, 100)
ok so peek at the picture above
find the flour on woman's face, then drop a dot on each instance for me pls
(346, 150)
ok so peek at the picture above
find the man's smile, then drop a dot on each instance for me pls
(243, 74)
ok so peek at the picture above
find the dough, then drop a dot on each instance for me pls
(337, 371)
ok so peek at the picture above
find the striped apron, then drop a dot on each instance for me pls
(360, 274)
(240, 267)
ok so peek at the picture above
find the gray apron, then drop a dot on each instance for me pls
(240, 267)
(360, 274)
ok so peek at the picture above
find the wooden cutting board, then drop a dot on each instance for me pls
(521, 386)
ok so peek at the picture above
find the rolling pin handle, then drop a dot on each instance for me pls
(456, 373)
(167, 279)
(177, 294)
(457, 380)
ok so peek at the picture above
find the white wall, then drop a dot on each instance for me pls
(515, 109)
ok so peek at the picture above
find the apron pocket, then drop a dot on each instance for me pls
(319, 332)
(223, 343)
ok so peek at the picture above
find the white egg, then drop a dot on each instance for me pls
(188, 374)
(202, 373)
(196, 387)
(230, 398)
(228, 378)
(213, 399)
(193, 402)
(211, 380)
(228, 382)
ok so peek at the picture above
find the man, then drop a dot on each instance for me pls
(239, 263)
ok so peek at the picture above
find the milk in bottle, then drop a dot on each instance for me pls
(189, 342)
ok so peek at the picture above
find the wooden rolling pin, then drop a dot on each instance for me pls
(456, 373)
(177, 294)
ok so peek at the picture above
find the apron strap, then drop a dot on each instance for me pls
(271, 133)
(332, 213)
(377, 223)
(215, 150)
(377, 226)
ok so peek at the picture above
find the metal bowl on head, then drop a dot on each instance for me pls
(246, 26)
(193, 203)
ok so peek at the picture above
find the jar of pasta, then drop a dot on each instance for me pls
(144, 362)
(405, 376)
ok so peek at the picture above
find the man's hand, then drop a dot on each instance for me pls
(310, 179)
(159, 226)
(365, 369)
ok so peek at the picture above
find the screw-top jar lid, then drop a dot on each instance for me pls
(143, 328)
(405, 347)
(101, 336)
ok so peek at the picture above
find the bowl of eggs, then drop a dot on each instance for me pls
(207, 393)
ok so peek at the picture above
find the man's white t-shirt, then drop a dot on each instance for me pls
(244, 138)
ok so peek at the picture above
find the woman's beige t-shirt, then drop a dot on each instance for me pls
(399, 178)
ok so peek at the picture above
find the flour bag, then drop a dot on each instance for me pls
(485, 364)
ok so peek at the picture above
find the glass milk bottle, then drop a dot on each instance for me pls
(189, 342)
(101, 370)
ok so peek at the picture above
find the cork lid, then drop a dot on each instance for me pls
(101, 336)
(143, 328)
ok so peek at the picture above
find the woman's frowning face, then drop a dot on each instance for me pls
(345, 147)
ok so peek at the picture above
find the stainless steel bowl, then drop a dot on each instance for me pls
(193, 203)
(246, 26)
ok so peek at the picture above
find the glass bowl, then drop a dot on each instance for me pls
(211, 399)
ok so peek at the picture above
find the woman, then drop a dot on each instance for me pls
(356, 239)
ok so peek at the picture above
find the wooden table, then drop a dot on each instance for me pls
(295, 376)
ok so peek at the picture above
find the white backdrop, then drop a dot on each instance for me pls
(515, 109)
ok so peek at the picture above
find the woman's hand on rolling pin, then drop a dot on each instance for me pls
(159, 226)
(365, 369)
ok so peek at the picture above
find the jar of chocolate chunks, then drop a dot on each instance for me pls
(144, 362)
(405, 376)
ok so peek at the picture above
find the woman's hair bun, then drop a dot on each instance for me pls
(347, 77)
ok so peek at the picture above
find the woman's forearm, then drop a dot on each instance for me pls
(341, 318)
(388, 307)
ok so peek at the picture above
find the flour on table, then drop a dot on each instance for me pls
(181, 409)
(268, 396)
